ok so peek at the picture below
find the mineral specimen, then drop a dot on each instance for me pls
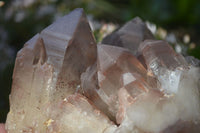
(63, 82)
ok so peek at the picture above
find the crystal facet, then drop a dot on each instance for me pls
(130, 35)
(162, 61)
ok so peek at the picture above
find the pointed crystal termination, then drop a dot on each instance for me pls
(48, 69)
(130, 35)
(30, 65)
(30, 89)
(116, 68)
(162, 61)
(71, 48)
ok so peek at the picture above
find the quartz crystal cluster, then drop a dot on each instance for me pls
(63, 82)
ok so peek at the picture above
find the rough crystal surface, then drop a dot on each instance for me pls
(64, 83)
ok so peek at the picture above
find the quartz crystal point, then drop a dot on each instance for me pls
(31, 88)
(71, 48)
(130, 35)
(161, 60)
(117, 72)
(47, 70)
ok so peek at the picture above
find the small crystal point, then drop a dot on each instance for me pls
(162, 61)
(161, 53)
(30, 89)
(130, 35)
